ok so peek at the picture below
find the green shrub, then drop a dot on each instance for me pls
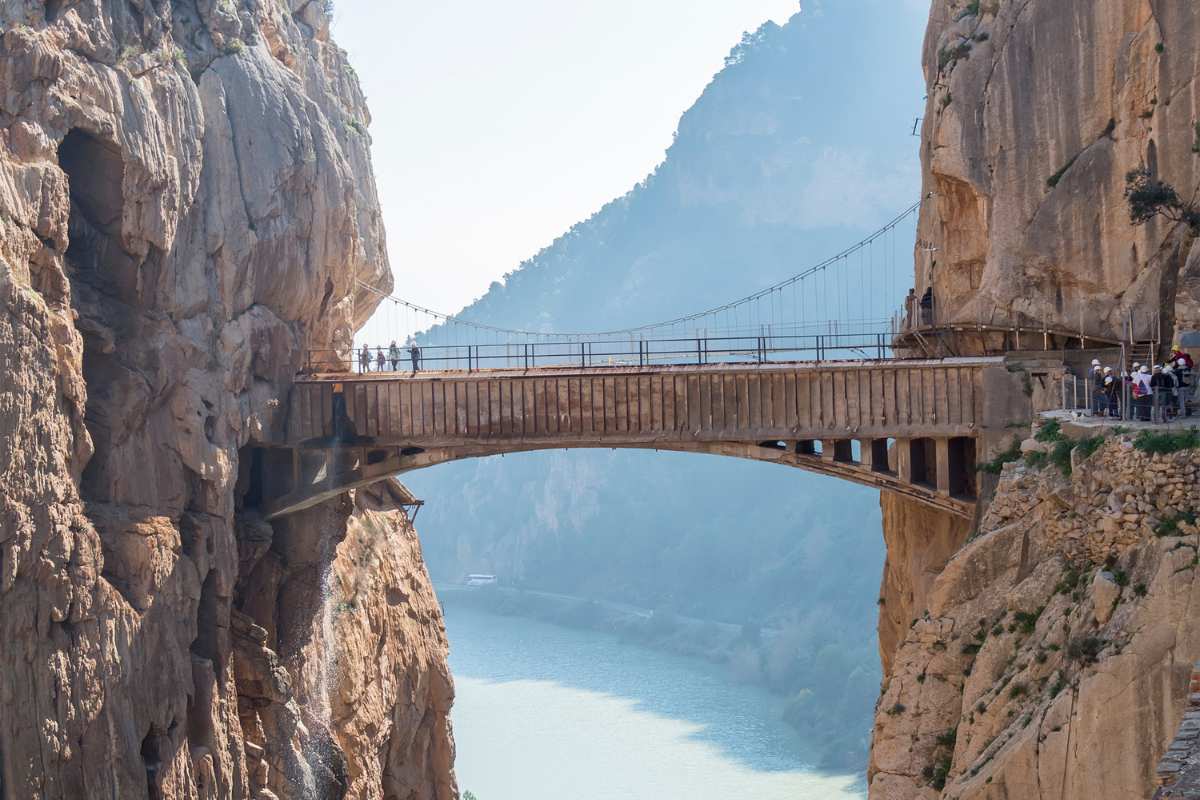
(972, 10)
(948, 738)
(1050, 432)
(1036, 459)
(1017, 690)
(1053, 180)
(1085, 648)
(1027, 621)
(1165, 442)
(1158, 48)
(996, 465)
(898, 708)
(1060, 456)
(1140, 590)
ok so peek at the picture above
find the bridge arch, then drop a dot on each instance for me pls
(911, 427)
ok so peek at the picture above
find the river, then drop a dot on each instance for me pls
(546, 713)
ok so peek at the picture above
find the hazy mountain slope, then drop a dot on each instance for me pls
(792, 152)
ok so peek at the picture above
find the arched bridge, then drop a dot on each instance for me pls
(914, 427)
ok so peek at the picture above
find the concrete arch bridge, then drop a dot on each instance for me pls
(915, 427)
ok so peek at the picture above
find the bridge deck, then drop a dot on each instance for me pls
(914, 427)
(630, 404)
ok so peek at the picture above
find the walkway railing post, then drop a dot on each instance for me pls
(699, 353)
(582, 354)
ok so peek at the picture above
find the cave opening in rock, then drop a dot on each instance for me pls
(95, 174)
(249, 488)
(53, 10)
(95, 171)
(206, 644)
(152, 757)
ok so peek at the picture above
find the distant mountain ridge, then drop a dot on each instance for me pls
(789, 155)
(770, 170)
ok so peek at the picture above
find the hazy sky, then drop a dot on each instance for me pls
(497, 126)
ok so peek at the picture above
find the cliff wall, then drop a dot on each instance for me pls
(186, 205)
(1052, 658)
(1036, 111)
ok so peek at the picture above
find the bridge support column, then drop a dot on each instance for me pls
(942, 465)
(904, 465)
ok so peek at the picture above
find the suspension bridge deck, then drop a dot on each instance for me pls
(915, 427)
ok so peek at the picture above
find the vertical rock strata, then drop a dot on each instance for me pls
(1036, 111)
(1053, 654)
(1048, 657)
(186, 205)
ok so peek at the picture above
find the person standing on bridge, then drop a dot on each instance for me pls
(364, 359)
(394, 355)
(1097, 388)
(414, 352)
(380, 361)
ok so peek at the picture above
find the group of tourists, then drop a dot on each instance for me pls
(392, 353)
(1157, 392)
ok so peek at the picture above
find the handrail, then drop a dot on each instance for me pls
(611, 352)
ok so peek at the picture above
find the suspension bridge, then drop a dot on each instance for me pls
(762, 378)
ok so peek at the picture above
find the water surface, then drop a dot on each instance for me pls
(547, 713)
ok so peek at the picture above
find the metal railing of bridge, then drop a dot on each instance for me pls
(589, 353)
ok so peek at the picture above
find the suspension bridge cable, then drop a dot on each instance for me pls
(751, 301)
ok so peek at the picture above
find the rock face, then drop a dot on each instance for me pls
(186, 206)
(1052, 660)
(1036, 111)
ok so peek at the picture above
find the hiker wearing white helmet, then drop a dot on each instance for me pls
(1183, 392)
(1142, 393)
(1098, 402)
(1112, 393)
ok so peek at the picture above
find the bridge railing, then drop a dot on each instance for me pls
(607, 353)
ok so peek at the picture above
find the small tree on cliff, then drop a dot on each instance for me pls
(1149, 197)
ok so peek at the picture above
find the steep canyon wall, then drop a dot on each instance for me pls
(1013, 668)
(1036, 111)
(186, 205)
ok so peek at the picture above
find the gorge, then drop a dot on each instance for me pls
(187, 208)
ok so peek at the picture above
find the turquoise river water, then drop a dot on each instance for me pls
(550, 713)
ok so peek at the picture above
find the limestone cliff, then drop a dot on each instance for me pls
(1036, 111)
(186, 205)
(1051, 659)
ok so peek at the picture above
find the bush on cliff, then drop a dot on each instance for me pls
(1165, 442)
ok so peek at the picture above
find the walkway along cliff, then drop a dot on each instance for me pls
(186, 205)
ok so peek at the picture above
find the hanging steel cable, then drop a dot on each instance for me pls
(752, 302)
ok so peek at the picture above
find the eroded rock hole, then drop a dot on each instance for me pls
(98, 268)
(207, 642)
(249, 489)
(154, 746)
(54, 9)
(96, 172)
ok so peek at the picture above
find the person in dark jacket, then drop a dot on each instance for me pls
(1163, 386)
(1097, 380)
(380, 360)
(364, 359)
(1185, 376)
(1112, 395)
(394, 355)
(414, 352)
